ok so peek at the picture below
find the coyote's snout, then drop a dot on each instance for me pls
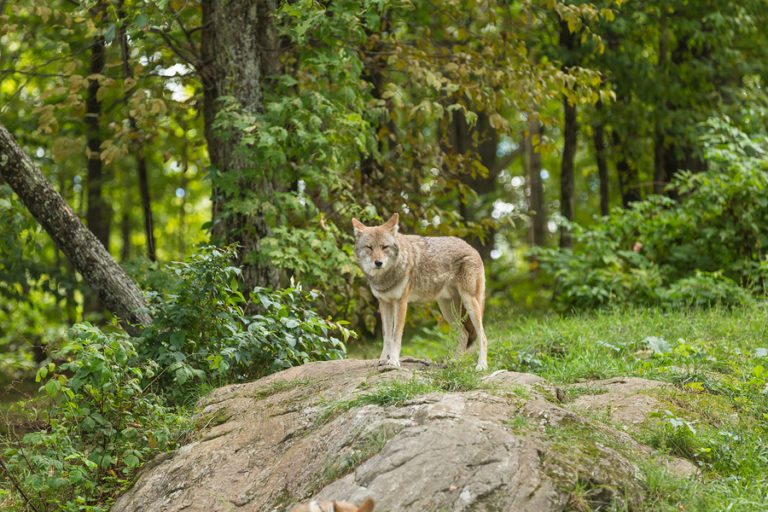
(407, 268)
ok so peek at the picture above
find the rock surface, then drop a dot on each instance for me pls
(508, 445)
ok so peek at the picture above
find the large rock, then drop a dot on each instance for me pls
(509, 446)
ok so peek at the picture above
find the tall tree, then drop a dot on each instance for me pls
(137, 144)
(240, 52)
(570, 133)
(98, 216)
(601, 158)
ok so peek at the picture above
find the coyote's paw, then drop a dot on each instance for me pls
(394, 363)
(481, 366)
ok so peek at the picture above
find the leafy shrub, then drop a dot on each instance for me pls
(705, 289)
(700, 249)
(204, 331)
(102, 425)
(105, 419)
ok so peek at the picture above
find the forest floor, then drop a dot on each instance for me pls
(715, 414)
(18, 408)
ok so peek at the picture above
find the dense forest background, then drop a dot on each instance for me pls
(595, 153)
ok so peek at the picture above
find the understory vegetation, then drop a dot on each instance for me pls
(107, 402)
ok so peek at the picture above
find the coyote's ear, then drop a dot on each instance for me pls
(359, 227)
(391, 224)
(367, 505)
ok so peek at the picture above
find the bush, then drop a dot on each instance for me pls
(114, 399)
(706, 247)
(202, 331)
(101, 425)
(705, 289)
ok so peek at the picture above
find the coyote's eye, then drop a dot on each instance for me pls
(385, 247)
(370, 248)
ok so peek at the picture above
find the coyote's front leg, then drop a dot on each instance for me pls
(387, 310)
(399, 309)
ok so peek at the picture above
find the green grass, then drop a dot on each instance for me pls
(452, 376)
(716, 415)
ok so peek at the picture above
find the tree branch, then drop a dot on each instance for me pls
(195, 51)
(191, 59)
(17, 486)
(506, 160)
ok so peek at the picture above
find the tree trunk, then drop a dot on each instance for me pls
(659, 160)
(570, 132)
(567, 170)
(598, 136)
(660, 172)
(146, 201)
(473, 143)
(628, 180)
(240, 52)
(125, 234)
(536, 204)
(137, 144)
(115, 289)
(98, 214)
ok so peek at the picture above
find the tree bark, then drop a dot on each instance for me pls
(239, 54)
(137, 144)
(481, 142)
(567, 170)
(536, 205)
(660, 171)
(98, 214)
(115, 289)
(570, 132)
(125, 235)
(598, 135)
(628, 180)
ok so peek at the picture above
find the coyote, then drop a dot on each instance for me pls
(408, 268)
(334, 506)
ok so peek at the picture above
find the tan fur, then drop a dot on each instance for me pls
(421, 269)
(335, 506)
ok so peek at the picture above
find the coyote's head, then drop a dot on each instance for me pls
(376, 246)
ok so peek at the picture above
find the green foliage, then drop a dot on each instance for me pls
(113, 399)
(705, 248)
(705, 289)
(203, 333)
(102, 424)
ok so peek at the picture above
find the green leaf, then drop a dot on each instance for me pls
(52, 387)
(132, 461)
(109, 33)
(657, 345)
